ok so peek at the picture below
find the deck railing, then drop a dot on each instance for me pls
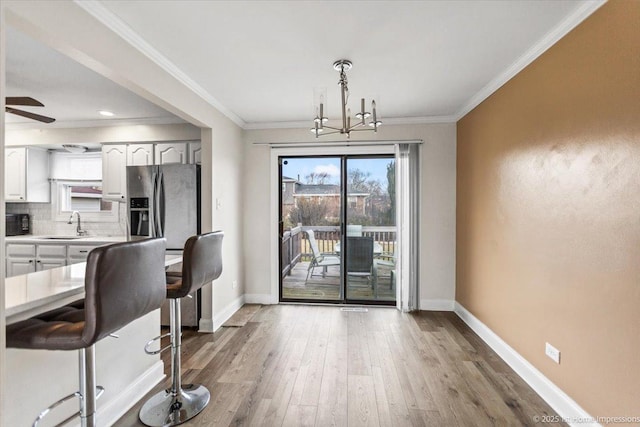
(295, 244)
(291, 245)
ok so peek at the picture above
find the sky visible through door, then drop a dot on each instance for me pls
(301, 167)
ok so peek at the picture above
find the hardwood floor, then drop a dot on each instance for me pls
(294, 365)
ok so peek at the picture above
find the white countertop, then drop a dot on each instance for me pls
(31, 294)
(65, 240)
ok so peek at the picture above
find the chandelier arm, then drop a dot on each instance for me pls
(355, 126)
(330, 133)
(362, 130)
(330, 127)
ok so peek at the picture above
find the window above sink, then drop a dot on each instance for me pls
(84, 197)
(77, 186)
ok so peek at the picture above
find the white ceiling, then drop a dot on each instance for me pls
(259, 61)
(70, 92)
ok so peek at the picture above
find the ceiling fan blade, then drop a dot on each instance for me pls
(29, 115)
(23, 100)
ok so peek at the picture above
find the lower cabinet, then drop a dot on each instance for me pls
(78, 253)
(50, 256)
(23, 258)
(46, 264)
(18, 266)
(28, 258)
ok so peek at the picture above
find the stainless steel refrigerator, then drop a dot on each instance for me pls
(164, 201)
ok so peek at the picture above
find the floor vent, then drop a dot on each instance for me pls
(356, 309)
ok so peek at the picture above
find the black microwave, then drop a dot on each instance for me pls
(17, 224)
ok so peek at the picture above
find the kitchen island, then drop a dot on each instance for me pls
(37, 378)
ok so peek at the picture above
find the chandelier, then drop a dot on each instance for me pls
(342, 66)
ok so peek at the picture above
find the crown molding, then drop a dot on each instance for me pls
(303, 124)
(115, 24)
(96, 123)
(542, 45)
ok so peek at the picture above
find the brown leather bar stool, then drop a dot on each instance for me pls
(201, 264)
(123, 282)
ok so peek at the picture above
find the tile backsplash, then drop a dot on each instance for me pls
(42, 224)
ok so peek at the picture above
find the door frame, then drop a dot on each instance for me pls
(320, 151)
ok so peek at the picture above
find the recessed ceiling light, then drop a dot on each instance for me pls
(106, 113)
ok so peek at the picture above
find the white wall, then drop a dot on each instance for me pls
(438, 207)
(227, 207)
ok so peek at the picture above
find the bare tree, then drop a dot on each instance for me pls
(319, 178)
(358, 182)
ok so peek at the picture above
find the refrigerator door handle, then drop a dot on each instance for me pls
(161, 207)
(157, 228)
(152, 209)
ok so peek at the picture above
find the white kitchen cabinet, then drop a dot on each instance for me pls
(28, 258)
(114, 172)
(21, 259)
(173, 152)
(18, 266)
(139, 154)
(78, 253)
(26, 175)
(195, 153)
(50, 256)
(47, 264)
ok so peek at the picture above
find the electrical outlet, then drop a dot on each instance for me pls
(552, 352)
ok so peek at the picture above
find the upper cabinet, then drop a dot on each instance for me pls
(26, 175)
(195, 153)
(140, 154)
(114, 172)
(173, 152)
(116, 158)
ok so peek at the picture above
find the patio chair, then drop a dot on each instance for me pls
(320, 259)
(360, 258)
(387, 260)
(354, 230)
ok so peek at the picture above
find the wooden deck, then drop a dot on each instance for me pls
(295, 285)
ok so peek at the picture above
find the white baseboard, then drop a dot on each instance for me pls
(108, 414)
(437, 304)
(212, 325)
(227, 312)
(205, 326)
(264, 299)
(566, 407)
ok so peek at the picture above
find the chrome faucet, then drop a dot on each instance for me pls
(79, 230)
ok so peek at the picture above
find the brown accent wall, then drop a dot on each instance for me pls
(548, 211)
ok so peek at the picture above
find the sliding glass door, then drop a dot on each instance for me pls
(337, 229)
(370, 238)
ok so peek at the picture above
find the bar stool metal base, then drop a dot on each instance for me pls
(165, 409)
(178, 403)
